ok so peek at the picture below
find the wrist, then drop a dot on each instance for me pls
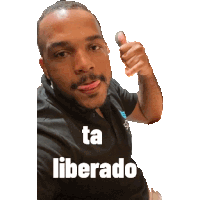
(147, 74)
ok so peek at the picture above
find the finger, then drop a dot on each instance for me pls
(120, 38)
(151, 197)
(156, 195)
(125, 47)
(134, 60)
(131, 71)
(152, 192)
(135, 50)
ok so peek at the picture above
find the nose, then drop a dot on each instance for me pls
(82, 63)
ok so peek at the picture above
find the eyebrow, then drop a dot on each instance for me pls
(67, 43)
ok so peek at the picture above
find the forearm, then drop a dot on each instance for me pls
(150, 97)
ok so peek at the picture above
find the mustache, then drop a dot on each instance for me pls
(84, 79)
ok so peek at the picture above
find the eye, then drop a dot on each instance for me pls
(95, 47)
(62, 54)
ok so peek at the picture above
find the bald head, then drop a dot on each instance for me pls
(54, 22)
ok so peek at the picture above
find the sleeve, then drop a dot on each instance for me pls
(47, 186)
(129, 100)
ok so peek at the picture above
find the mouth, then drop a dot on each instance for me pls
(89, 87)
(89, 83)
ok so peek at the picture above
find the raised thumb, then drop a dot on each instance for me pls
(120, 38)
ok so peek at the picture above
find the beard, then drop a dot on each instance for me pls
(83, 80)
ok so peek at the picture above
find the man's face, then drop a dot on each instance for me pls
(76, 54)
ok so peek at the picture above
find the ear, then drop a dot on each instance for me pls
(41, 62)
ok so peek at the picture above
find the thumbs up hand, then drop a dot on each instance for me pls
(133, 56)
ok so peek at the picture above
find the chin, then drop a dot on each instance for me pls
(93, 100)
(93, 103)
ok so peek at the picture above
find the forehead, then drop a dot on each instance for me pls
(70, 25)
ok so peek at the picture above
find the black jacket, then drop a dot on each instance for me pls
(59, 134)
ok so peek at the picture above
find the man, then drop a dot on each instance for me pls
(79, 95)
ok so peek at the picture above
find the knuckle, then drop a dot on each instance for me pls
(124, 56)
(130, 61)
